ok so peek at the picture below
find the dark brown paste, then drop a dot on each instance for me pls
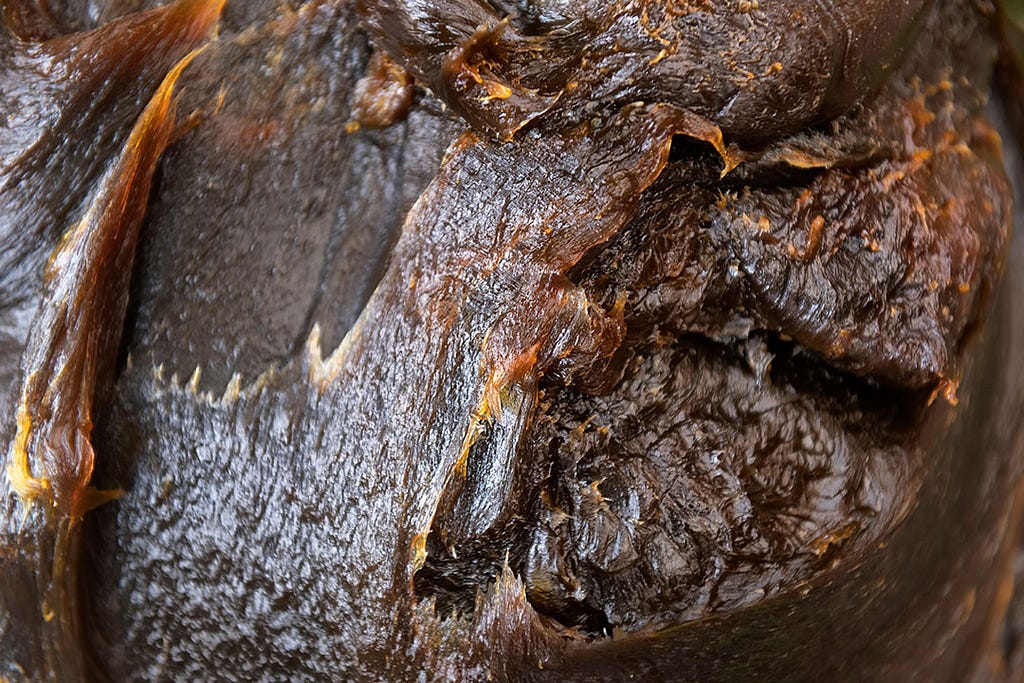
(509, 339)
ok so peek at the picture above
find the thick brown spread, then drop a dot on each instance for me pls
(504, 339)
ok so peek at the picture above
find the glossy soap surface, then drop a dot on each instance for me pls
(645, 338)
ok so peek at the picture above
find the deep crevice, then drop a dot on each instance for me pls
(454, 578)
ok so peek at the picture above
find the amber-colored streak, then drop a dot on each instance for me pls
(52, 459)
(70, 352)
(814, 236)
(33, 21)
(71, 344)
